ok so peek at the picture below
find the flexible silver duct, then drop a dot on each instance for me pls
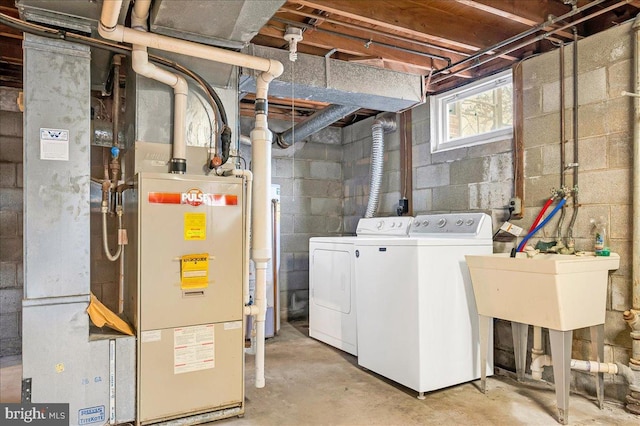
(318, 121)
(379, 127)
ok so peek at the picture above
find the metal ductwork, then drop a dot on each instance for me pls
(316, 122)
(378, 128)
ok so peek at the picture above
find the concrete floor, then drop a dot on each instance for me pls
(310, 383)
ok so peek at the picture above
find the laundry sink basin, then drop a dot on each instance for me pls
(553, 291)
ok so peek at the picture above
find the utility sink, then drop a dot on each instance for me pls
(559, 292)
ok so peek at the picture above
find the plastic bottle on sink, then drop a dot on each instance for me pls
(601, 243)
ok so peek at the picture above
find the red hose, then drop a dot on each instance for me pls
(544, 209)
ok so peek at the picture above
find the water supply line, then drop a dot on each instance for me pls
(574, 216)
(562, 139)
(632, 316)
(261, 139)
(523, 243)
(379, 127)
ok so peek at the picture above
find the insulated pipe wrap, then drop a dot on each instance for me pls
(377, 162)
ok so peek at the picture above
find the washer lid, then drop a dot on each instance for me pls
(454, 225)
(384, 226)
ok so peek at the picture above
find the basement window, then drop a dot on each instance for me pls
(477, 113)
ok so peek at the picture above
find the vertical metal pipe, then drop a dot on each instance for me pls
(576, 203)
(635, 256)
(562, 138)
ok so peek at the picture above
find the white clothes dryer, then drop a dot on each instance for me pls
(332, 282)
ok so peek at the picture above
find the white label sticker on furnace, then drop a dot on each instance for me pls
(232, 325)
(151, 336)
(54, 144)
(193, 348)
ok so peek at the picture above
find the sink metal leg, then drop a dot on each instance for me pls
(561, 354)
(520, 333)
(597, 349)
(484, 324)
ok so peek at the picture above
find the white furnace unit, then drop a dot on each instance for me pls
(417, 319)
(185, 266)
(332, 281)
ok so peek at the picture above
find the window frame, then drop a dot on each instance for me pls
(439, 114)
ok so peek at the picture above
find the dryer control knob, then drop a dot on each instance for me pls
(399, 224)
(442, 222)
(470, 222)
(425, 223)
(393, 224)
(380, 225)
(417, 224)
(459, 222)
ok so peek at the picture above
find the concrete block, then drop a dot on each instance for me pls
(620, 150)
(335, 153)
(392, 160)
(449, 156)
(353, 151)
(391, 181)
(310, 151)
(616, 331)
(7, 175)
(470, 170)
(296, 205)
(11, 124)
(9, 347)
(619, 78)
(592, 86)
(620, 222)
(286, 223)
(421, 201)
(618, 115)
(19, 175)
(282, 167)
(593, 153)
(350, 223)
(11, 149)
(7, 274)
(302, 169)
(612, 45)
(20, 275)
(301, 261)
(10, 300)
(592, 120)
(620, 293)
(491, 195)
(388, 203)
(451, 198)
(362, 129)
(286, 186)
(318, 188)
(623, 248)
(11, 249)
(392, 139)
(501, 167)
(326, 206)
(490, 148)
(533, 162)
(538, 189)
(8, 225)
(609, 186)
(432, 176)
(295, 280)
(532, 105)
(541, 130)
(333, 225)
(420, 128)
(297, 242)
(421, 155)
(11, 199)
(9, 325)
(583, 227)
(326, 170)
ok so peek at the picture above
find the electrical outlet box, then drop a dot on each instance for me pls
(516, 204)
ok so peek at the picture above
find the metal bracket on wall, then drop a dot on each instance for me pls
(26, 390)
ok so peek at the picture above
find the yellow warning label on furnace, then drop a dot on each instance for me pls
(194, 271)
(195, 226)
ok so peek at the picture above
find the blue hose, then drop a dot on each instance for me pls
(543, 223)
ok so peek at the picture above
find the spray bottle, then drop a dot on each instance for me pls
(601, 243)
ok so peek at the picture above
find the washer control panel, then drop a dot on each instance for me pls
(398, 225)
(467, 224)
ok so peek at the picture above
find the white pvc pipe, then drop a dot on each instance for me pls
(538, 360)
(248, 177)
(140, 14)
(594, 366)
(142, 66)
(261, 139)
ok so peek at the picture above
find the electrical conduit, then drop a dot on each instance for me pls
(378, 128)
(261, 139)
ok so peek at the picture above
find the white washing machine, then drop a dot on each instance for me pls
(332, 283)
(417, 319)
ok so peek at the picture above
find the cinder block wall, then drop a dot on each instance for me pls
(11, 208)
(357, 141)
(310, 178)
(605, 157)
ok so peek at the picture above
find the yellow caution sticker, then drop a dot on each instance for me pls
(194, 271)
(195, 226)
